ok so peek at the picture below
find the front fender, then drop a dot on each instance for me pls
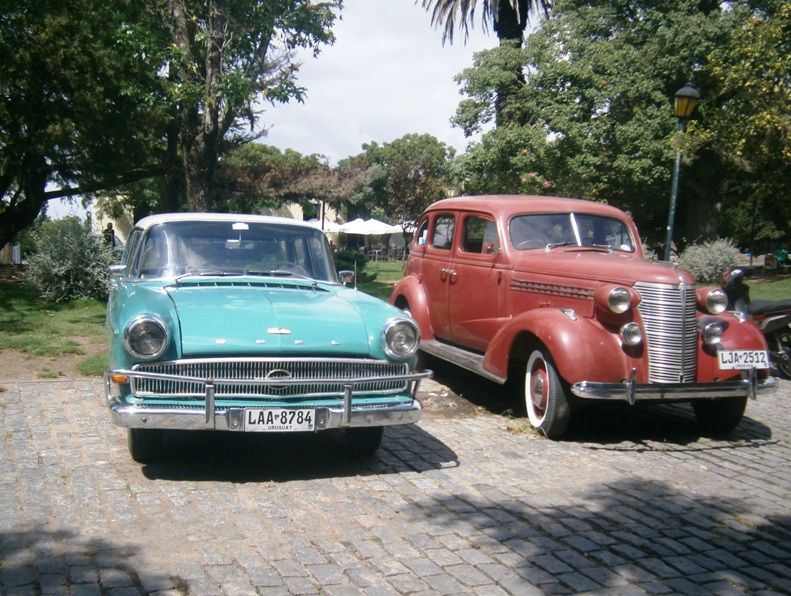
(409, 291)
(582, 349)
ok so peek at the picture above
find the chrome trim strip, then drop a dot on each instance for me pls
(750, 386)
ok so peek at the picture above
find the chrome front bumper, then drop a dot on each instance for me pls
(630, 391)
(219, 417)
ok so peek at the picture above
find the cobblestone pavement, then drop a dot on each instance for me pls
(467, 501)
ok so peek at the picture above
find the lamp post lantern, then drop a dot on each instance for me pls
(684, 104)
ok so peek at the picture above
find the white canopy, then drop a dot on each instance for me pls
(369, 227)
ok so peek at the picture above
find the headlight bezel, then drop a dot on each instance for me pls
(390, 334)
(136, 325)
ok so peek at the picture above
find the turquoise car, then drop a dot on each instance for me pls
(239, 323)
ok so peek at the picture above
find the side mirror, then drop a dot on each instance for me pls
(346, 276)
(117, 270)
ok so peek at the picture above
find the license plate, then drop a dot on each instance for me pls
(272, 420)
(742, 359)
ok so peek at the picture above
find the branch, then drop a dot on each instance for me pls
(127, 178)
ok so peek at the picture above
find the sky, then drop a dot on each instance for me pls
(387, 75)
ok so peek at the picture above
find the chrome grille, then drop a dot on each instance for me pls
(668, 313)
(270, 378)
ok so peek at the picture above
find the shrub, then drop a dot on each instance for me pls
(69, 262)
(346, 259)
(708, 260)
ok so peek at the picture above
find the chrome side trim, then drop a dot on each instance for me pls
(630, 392)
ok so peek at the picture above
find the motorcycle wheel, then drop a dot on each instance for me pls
(783, 359)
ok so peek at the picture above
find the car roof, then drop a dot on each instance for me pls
(152, 220)
(509, 204)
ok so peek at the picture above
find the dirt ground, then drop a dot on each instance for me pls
(18, 366)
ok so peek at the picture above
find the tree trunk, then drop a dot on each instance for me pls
(18, 215)
(510, 28)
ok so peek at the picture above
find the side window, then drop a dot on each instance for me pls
(422, 233)
(130, 250)
(480, 236)
(443, 232)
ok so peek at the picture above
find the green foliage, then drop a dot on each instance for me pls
(80, 101)
(594, 119)
(707, 261)
(414, 171)
(354, 260)
(69, 262)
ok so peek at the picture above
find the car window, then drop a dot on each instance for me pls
(536, 231)
(176, 248)
(576, 229)
(443, 231)
(595, 230)
(479, 236)
(422, 233)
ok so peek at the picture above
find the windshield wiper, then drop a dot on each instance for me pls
(283, 273)
(552, 245)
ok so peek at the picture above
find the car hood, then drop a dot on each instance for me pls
(258, 321)
(596, 265)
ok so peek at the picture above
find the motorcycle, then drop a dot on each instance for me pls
(772, 317)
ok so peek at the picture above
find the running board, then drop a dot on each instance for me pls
(464, 358)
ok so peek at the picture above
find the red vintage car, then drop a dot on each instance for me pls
(556, 293)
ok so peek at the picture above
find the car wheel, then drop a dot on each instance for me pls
(783, 360)
(365, 440)
(546, 401)
(145, 444)
(721, 415)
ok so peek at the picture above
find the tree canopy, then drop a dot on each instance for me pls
(594, 119)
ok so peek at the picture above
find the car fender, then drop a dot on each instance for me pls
(580, 347)
(410, 291)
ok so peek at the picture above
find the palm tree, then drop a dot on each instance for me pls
(509, 17)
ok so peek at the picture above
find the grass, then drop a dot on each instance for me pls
(386, 274)
(777, 289)
(38, 327)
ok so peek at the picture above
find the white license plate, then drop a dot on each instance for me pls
(742, 359)
(273, 420)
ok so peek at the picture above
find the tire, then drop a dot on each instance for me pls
(783, 361)
(145, 444)
(546, 401)
(364, 440)
(719, 416)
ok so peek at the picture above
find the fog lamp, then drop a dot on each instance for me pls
(631, 334)
(712, 334)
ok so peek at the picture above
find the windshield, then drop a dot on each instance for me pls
(227, 248)
(547, 230)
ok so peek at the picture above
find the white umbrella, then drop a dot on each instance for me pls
(369, 227)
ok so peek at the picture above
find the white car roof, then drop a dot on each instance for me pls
(152, 220)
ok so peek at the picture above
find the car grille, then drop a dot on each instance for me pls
(668, 313)
(258, 378)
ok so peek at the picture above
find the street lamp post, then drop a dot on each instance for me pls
(684, 104)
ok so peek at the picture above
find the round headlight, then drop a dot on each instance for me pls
(712, 334)
(401, 339)
(619, 300)
(146, 337)
(716, 302)
(631, 334)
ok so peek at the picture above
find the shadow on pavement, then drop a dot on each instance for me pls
(628, 531)
(604, 423)
(251, 457)
(40, 561)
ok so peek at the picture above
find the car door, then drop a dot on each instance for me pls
(435, 241)
(475, 279)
